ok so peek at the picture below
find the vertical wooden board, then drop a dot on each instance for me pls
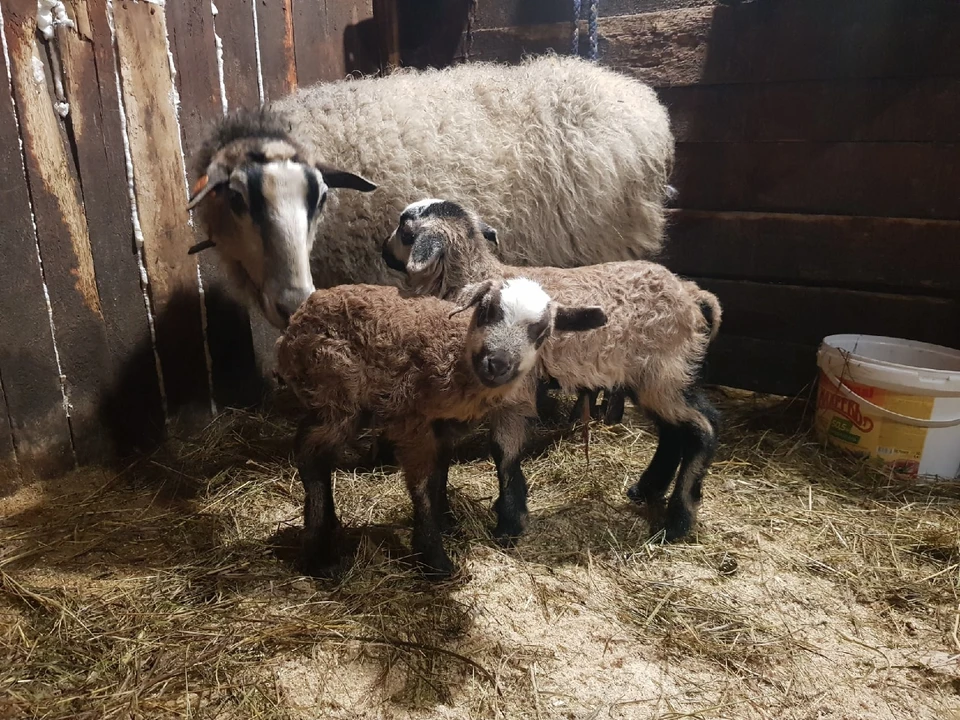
(318, 33)
(9, 470)
(62, 234)
(148, 96)
(130, 407)
(235, 28)
(277, 54)
(234, 371)
(27, 357)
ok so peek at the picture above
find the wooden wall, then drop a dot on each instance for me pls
(818, 160)
(107, 327)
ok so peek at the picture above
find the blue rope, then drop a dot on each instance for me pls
(575, 40)
(594, 5)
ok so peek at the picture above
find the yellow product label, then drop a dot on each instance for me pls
(845, 422)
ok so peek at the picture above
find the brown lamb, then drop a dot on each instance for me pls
(357, 355)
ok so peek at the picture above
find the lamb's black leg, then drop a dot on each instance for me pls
(614, 400)
(418, 457)
(384, 453)
(315, 462)
(655, 480)
(699, 440)
(508, 434)
(446, 435)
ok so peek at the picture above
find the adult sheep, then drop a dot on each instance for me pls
(572, 157)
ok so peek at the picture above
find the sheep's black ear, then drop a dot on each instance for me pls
(489, 233)
(215, 177)
(425, 254)
(336, 178)
(579, 319)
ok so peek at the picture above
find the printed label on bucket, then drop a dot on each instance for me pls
(847, 424)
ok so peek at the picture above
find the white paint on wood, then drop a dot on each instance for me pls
(256, 46)
(50, 14)
(33, 221)
(224, 104)
(134, 212)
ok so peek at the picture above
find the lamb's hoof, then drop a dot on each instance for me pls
(638, 495)
(679, 523)
(438, 567)
(323, 566)
(508, 533)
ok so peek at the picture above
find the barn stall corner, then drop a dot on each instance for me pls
(151, 471)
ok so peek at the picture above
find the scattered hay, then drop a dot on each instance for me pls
(816, 588)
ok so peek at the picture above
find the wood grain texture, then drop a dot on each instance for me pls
(62, 235)
(804, 315)
(318, 33)
(787, 40)
(161, 192)
(917, 180)
(235, 27)
(887, 110)
(277, 52)
(130, 407)
(28, 367)
(10, 478)
(894, 255)
(511, 13)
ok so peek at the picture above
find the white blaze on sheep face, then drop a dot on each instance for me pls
(511, 321)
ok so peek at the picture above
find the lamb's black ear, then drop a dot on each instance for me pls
(425, 254)
(337, 178)
(489, 233)
(579, 319)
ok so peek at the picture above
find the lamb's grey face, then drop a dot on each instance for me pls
(264, 218)
(512, 320)
(510, 324)
(416, 246)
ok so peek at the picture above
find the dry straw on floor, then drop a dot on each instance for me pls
(816, 588)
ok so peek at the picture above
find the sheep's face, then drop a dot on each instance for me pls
(427, 232)
(262, 203)
(510, 323)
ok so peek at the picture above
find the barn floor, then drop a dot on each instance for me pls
(815, 589)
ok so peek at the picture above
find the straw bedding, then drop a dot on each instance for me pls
(816, 588)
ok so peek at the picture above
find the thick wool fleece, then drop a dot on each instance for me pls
(656, 334)
(572, 157)
(359, 349)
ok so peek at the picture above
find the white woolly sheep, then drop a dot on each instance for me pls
(653, 346)
(576, 156)
(361, 354)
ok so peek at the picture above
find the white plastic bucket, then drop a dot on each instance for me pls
(895, 401)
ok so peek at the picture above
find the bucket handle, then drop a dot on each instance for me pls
(889, 414)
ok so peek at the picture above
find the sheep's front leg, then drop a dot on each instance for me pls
(419, 461)
(508, 434)
(315, 462)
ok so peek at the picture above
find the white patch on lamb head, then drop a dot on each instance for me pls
(523, 300)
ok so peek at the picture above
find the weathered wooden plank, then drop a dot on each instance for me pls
(510, 44)
(768, 366)
(888, 110)
(788, 40)
(894, 255)
(277, 55)
(319, 34)
(388, 32)
(62, 234)
(877, 179)
(9, 470)
(148, 93)
(28, 364)
(235, 27)
(804, 315)
(130, 407)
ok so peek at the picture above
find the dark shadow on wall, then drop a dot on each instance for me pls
(131, 412)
